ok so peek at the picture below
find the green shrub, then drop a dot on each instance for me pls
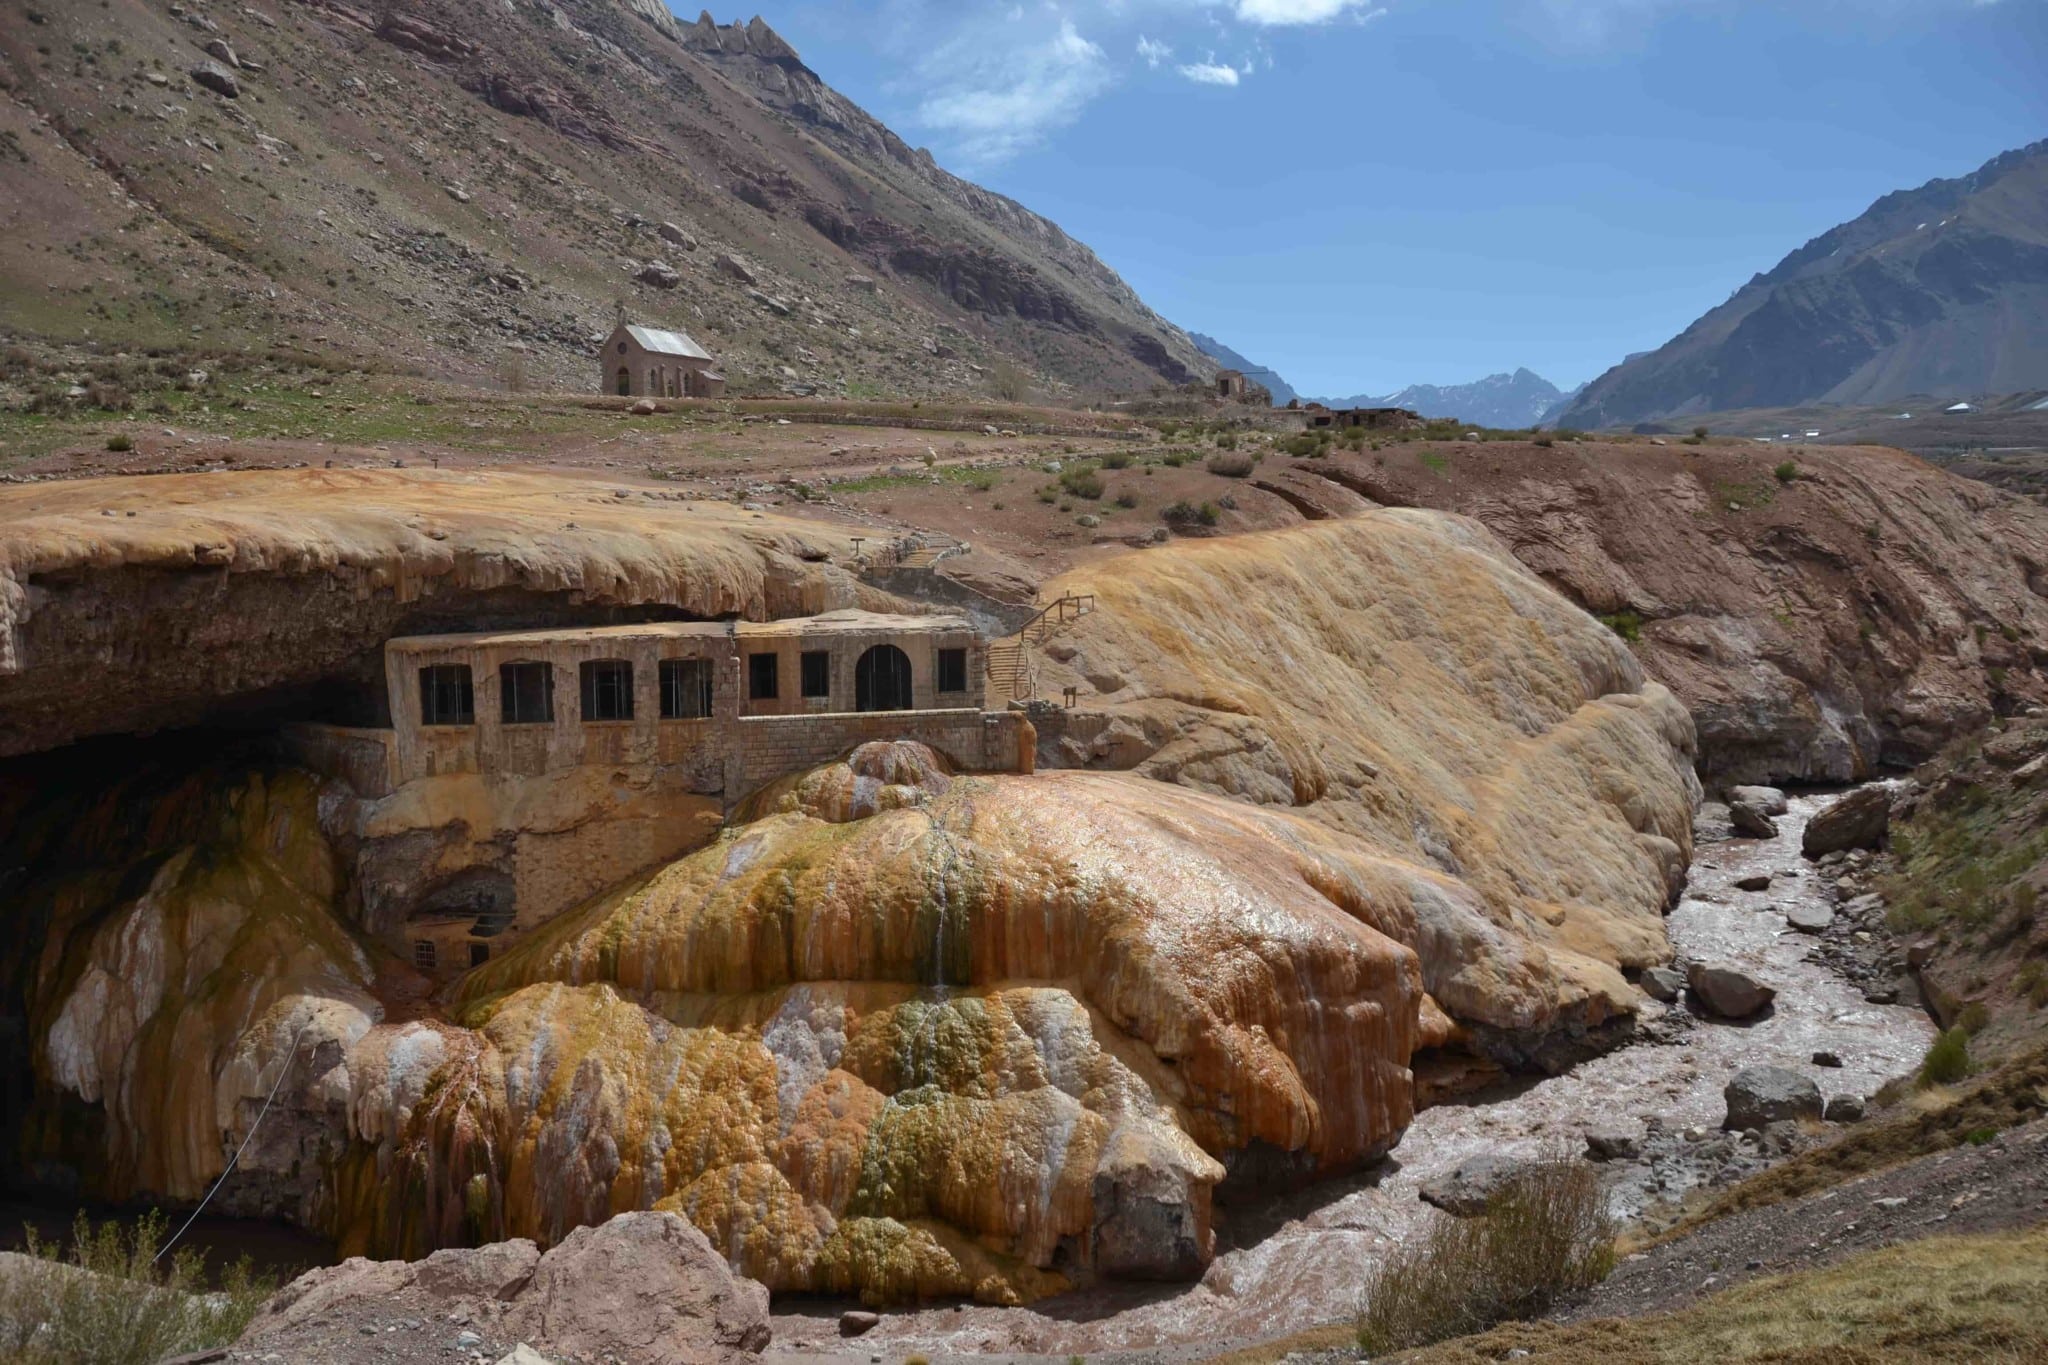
(1082, 481)
(1787, 471)
(109, 1301)
(1699, 433)
(1544, 1235)
(1117, 459)
(1627, 624)
(1127, 499)
(1174, 459)
(1947, 1060)
(1183, 514)
(1232, 466)
(120, 445)
(1301, 447)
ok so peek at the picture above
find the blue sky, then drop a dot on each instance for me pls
(1368, 193)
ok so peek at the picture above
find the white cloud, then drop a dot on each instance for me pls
(1210, 73)
(1002, 99)
(1277, 12)
(1153, 53)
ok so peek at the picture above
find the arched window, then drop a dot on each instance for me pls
(625, 382)
(881, 680)
(654, 379)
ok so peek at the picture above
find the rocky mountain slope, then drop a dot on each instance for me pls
(1941, 291)
(1823, 612)
(1507, 401)
(473, 191)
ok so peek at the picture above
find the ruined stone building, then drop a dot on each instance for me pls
(652, 362)
(526, 771)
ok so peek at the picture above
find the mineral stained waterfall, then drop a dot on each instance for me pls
(1334, 799)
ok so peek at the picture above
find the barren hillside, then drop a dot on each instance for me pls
(474, 191)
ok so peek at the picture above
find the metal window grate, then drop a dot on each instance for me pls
(447, 696)
(685, 689)
(526, 693)
(423, 954)
(607, 690)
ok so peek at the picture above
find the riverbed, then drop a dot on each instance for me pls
(1295, 1262)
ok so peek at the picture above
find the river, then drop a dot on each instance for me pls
(1297, 1261)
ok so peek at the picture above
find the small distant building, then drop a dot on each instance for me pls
(1391, 419)
(654, 362)
(1230, 385)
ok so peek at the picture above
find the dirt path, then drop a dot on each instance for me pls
(1296, 1262)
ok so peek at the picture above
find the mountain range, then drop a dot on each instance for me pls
(477, 191)
(1937, 292)
(1521, 399)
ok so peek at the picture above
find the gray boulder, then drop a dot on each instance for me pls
(1858, 820)
(1808, 918)
(1769, 800)
(1748, 820)
(1662, 983)
(1844, 1109)
(1760, 881)
(1763, 1095)
(660, 274)
(217, 78)
(675, 236)
(1611, 1144)
(1464, 1191)
(1728, 991)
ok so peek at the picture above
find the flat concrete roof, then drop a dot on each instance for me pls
(829, 623)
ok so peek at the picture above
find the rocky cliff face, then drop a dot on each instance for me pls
(1859, 613)
(139, 605)
(1941, 290)
(905, 1033)
(473, 189)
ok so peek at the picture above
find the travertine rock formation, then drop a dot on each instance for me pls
(144, 604)
(905, 1032)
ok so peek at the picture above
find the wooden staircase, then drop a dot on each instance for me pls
(1009, 673)
(1009, 659)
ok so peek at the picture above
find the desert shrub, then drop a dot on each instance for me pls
(1787, 471)
(1174, 459)
(1301, 447)
(120, 445)
(1184, 514)
(1117, 459)
(1227, 441)
(1544, 1235)
(1231, 466)
(1699, 433)
(109, 1301)
(1127, 498)
(1627, 624)
(1947, 1060)
(1545, 441)
(1082, 481)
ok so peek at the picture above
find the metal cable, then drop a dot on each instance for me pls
(291, 1055)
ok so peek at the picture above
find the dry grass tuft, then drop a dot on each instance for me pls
(1545, 1235)
(109, 1301)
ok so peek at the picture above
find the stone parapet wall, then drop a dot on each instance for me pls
(769, 747)
(364, 759)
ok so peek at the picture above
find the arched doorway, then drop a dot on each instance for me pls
(625, 382)
(881, 680)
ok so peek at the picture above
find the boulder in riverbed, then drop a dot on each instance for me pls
(1762, 1095)
(1858, 820)
(1769, 800)
(1728, 991)
(1760, 881)
(1662, 983)
(1807, 917)
(1465, 1190)
(1749, 820)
